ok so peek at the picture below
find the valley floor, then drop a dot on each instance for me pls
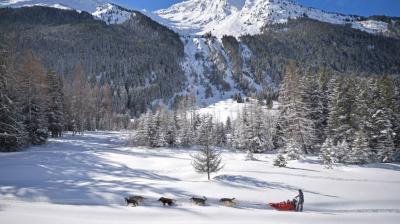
(83, 179)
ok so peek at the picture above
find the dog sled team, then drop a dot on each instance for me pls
(291, 205)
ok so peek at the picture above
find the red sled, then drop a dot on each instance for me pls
(283, 206)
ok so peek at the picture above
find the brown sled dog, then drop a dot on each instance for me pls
(166, 201)
(131, 201)
(230, 202)
(198, 201)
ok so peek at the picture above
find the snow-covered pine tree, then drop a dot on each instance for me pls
(327, 153)
(280, 161)
(208, 160)
(324, 77)
(382, 136)
(258, 141)
(241, 131)
(389, 98)
(295, 121)
(341, 105)
(220, 136)
(172, 129)
(228, 125)
(12, 130)
(55, 110)
(79, 101)
(293, 151)
(333, 112)
(360, 152)
(159, 129)
(340, 151)
(185, 133)
(143, 130)
(32, 87)
(312, 109)
(106, 107)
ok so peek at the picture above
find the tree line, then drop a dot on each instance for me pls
(36, 103)
(345, 118)
(342, 118)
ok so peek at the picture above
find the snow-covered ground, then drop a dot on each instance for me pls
(83, 179)
(223, 109)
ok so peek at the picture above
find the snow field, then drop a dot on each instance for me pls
(83, 179)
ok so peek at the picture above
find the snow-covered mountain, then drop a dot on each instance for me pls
(239, 17)
(82, 5)
(112, 14)
(100, 9)
(220, 17)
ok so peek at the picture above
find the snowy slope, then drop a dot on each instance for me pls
(223, 109)
(239, 17)
(100, 9)
(83, 179)
(205, 59)
(112, 14)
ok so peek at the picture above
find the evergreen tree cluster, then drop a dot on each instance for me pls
(252, 132)
(346, 119)
(36, 103)
(31, 102)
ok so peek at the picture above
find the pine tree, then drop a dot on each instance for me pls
(341, 150)
(228, 125)
(259, 142)
(172, 130)
(360, 151)
(143, 131)
(55, 111)
(12, 130)
(159, 129)
(79, 99)
(220, 137)
(32, 86)
(327, 153)
(185, 133)
(382, 136)
(312, 109)
(341, 105)
(295, 121)
(280, 161)
(293, 151)
(208, 160)
(106, 107)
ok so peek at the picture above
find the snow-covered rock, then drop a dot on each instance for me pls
(240, 17)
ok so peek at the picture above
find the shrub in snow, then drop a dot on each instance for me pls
(280, 161)
(250, 155)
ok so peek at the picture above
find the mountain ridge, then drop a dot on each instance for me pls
(220, 17)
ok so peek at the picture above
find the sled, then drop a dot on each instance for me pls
(283, 206)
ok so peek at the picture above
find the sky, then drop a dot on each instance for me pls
(356, 7)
